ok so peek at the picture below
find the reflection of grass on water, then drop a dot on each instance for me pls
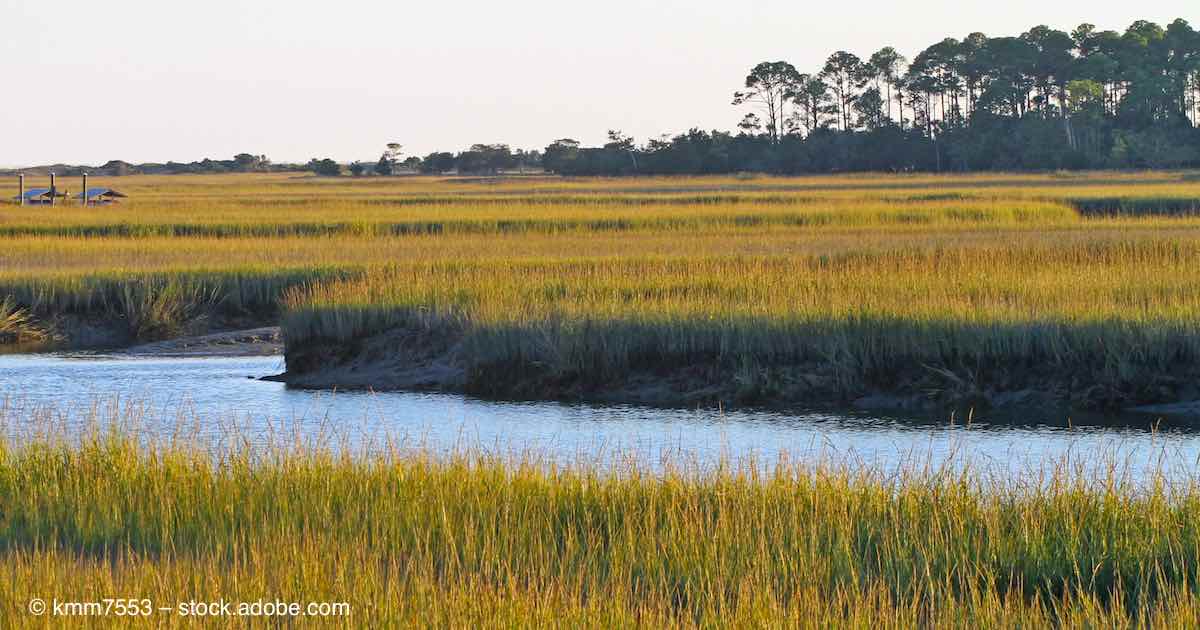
(469, 539)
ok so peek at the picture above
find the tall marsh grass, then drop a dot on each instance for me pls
(593, 276)
(470, 539)
(279, 206)
(17, 325)
(152, 305)
(1112, 310)
(532, 214)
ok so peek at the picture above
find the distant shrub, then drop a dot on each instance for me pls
(325, 167)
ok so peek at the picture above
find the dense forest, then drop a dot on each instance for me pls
(1046, 99)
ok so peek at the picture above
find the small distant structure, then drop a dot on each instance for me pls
(100, 196)
(39, 196)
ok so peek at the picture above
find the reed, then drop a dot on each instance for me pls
(17, 325)
(584, 279)
(407, 537)
(1116, 313)
(603, 213)
(275, 206)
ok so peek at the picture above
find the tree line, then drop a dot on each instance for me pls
(1043, 100)
(1046, 99)
(481, 159)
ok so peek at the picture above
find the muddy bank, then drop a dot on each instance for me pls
(410, 360)
(265, 341)
(397, 360)
(197, 337)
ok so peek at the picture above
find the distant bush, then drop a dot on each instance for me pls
(325, 167)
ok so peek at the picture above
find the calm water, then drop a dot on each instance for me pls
(214, 397)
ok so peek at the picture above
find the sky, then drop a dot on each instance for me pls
(155, 80)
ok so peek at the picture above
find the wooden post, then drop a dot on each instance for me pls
(21, 188)
(53, 190)
(83, 201)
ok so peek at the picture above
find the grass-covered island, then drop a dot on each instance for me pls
(903, 291)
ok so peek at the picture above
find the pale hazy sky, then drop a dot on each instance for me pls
(153, 80)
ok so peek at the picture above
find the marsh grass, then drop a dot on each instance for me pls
(157, 305)
(1138, 206)
(276, 206)
(468, 538)
(17, 325)
(1113, 311)
(588, 278)
(595, 277)
(521, 215)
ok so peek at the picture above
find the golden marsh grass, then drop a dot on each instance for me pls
(585, 278)
(470, 539)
